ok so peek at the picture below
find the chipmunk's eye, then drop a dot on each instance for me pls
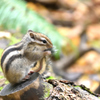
(44, 41)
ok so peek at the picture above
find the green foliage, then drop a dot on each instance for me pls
(95, 43)
(13, 40)
(6, 82)
(51, 77)
(47, 93)
(14, 14)
(47, 90)
(1, 77)
(1, 88)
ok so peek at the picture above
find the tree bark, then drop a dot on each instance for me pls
(65, 90)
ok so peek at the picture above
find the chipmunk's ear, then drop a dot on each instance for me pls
(29, 31)
(31, 34)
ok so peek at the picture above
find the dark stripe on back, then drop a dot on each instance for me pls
(11, 60)
(8, 51)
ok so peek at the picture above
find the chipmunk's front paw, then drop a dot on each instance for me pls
(26, 78)
(31, 72)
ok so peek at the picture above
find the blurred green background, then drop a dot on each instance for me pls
(73, 27)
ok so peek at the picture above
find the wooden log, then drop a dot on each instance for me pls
(32, 89)
(36, 89)
(66, 90)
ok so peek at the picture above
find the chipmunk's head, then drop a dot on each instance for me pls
(39, 45)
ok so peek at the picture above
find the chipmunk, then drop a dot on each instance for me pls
(18, 59)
